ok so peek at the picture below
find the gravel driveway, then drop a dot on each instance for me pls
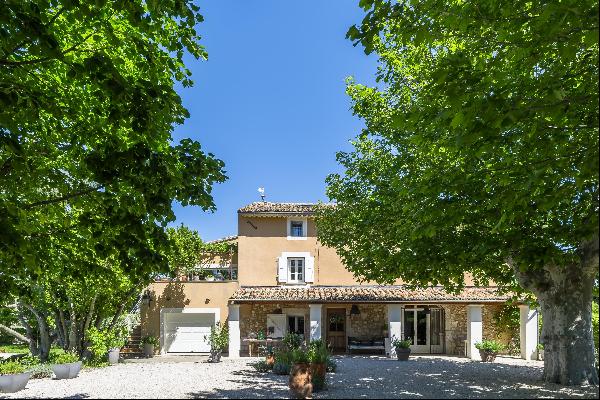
(357, 377)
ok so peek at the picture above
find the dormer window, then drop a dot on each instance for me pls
(296, 229)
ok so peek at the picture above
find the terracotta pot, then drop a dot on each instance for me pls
(270, 359)
(300, 381)
(402, 354)
(318, 375)
(487, 356)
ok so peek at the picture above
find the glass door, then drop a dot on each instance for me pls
(416, 327)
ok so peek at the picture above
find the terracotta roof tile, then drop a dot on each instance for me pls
(353, 294)
(266, 207)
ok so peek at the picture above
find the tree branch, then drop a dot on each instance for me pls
(63, 198)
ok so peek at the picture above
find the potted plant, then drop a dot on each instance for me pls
(300, 381)
(270, 356)
(540, 351)
(219, 340)
(283, 362)
(402, 348)
(148, 345)
(489, 349)
(13, 377)
(66, 366)
(318, 355)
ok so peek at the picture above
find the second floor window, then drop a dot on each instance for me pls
(296, 270)
(296, 229)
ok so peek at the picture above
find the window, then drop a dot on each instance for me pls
(296, 228)
(296, 324)
(296, 270)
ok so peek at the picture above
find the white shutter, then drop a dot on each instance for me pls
(282, 270)
(276, 324)
(309, 277)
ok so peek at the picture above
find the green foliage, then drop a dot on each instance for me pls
(219, 337)
(401, 344)
(595, 327)
(11, 367)
(101, 341)
(299, 356)
(292, 341)
(331, 365)
(281, 368)
(539, 346)
(262, 366)
(153, 340)
(41, 371)
(14, 348)
(65, 358)
(507, 320)
(185, 251)
(490, 345)
(317, 352)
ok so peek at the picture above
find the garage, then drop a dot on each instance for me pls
(184, 330)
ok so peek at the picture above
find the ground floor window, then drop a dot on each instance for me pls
(296, 324)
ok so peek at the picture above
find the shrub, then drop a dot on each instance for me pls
(65, 358)
(283, 356)
(103, 340)
(401, 344)
(299, 356)
(219, 337)
(153, 340)
(540, 346)
(317, 352)
(11, 367)
(40, 371)
(281, 368)
(292, 341)
(331, 365)
(490, 345)
(262, 366)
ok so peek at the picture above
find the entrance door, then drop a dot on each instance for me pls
(336, 329)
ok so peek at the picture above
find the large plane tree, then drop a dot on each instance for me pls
(479, 155)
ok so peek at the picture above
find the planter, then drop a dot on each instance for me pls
(402, 353)
(318, 376)
(67, 371)
(215, 356)
(487, 356)
(300, 381)
(210, 278)
(270, 359)
(149, 350)
(113, 356)
(540, 355)
(13, 382)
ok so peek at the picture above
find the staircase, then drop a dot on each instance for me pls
(132, 348)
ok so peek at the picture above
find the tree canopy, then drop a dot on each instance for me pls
(480, 154)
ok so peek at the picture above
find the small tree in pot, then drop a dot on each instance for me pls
(13, 377)
(489, 349)
(402, 348)
(318, 356)
(300, 381)
(219, 340)
(148, 345)
(66, 366)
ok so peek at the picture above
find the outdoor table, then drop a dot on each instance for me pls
(257, 342)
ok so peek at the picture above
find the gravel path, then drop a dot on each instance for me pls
(357, 377)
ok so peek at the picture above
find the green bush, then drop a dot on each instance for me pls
(283, 356)
(281, 368)
(219, 337)
(490, 345)
(401, 344)
(103, 340)
(317, 352)
(40, 371)
(65, 358)
(299, 356)
(292, 341)
(11, 367)
(540, 346)
(262, 366)
(153, 340)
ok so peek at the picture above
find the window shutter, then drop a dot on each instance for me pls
(282, 272)
(309, 276)
(276, 325)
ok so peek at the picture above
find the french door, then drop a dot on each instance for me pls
(426, 328)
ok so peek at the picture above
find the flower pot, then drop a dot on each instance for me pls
(13, 382)
(67, 371)
(300, 381)
(540, 355)
(270, 359)
(215, 356)
(113, 356)
(149, 350)
(318, 375)
(402, 353)
(487, 356)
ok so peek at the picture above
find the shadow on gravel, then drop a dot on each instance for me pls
(250, 385)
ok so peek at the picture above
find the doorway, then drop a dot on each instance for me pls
(336, 329)
(425, 325)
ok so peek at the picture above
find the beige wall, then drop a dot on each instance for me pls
(200, 294)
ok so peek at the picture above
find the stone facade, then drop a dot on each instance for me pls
(370, 323)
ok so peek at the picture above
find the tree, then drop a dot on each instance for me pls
(480, 155)
(88, 167)
(186, 247)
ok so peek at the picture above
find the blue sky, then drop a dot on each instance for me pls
(270, 101)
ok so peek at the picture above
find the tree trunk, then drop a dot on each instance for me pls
(565, 297)
(44, 334)
(14, 333)
(33, 346)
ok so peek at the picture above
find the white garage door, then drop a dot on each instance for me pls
(185, 332)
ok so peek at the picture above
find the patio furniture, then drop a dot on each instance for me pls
(257, 342)
(355, 343)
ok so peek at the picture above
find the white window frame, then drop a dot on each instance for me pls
(283, 272)
(304, 228)
(289, 270)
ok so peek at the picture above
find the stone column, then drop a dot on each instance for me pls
(394, 313)
(474, 329)
(234, 331)
(528, 334)
(316, 311)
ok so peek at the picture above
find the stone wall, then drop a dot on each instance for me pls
(370, 323)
